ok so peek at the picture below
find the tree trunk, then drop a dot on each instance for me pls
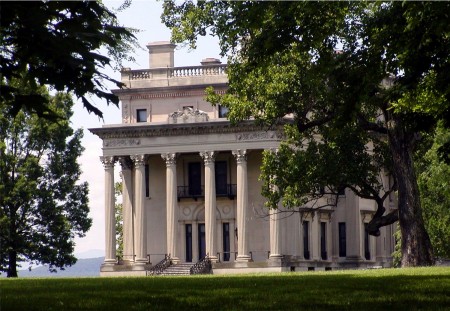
(416, 245)
(12, 264)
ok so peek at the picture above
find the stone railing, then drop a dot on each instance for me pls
(174, 72)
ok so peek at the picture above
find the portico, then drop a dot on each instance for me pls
(191, 188)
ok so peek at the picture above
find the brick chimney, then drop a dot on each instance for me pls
(161, 54)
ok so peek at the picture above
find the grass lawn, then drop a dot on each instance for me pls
(386, 289)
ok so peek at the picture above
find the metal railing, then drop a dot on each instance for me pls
(160, 266)
(176, 72)
(229, 191)
(219, 254)
(203, 266)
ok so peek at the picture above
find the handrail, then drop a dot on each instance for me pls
(203, 266)
(160, 266)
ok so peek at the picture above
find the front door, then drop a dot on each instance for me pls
(201, 241)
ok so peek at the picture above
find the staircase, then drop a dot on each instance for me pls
(183, 268)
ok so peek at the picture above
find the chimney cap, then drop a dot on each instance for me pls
(160, 45)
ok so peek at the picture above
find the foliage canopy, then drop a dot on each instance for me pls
(348, 73)
(57, 44)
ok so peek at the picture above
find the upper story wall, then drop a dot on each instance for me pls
(151, 95)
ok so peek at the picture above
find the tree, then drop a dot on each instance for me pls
(42, 204)
(433, 179)
(349, 73)
(57, 44)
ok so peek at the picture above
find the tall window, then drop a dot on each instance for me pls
(221, 177)
(226, 241)
(188, 229)
(195, 178)
(305, 226)
(141, 115)
(366, 242)
(342, 240)
(323, 240)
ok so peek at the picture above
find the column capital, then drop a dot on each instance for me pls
(170, 158)
(240, 155)
(208, 156)
(138, 159)
(125, 162)
(108, 161)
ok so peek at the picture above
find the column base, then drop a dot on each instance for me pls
(141, 262)
(109, 262)
(276, 258)
(175, 260)
(243, 258)
(213, 258)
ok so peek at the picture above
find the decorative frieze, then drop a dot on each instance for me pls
(121, 142)
(264, 135)
(208, 156)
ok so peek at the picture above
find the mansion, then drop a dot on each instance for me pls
(190, 186)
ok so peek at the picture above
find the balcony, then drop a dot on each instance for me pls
(189, 192)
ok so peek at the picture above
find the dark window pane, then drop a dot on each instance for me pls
(366, 242)
(306, 239)
(188, 242)
(223, 112)
(323, 240)
(342, 240)
(226, 241)
(195, 178)
(221, 177)
(141, 115)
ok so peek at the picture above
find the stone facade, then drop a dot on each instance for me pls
(191, 188)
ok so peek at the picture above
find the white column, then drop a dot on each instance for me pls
(110, 220)
(127, 210)
(140, 234)
(210, 204)
(275, 235)
(242, 202)
(171, 205)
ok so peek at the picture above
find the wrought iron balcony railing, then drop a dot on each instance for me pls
(195, 192)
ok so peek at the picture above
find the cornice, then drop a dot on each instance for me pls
(132, 132)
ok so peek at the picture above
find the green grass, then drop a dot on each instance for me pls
(387, 289)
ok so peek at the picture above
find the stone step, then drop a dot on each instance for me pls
(179, 269)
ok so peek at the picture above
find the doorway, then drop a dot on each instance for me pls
(201, 241)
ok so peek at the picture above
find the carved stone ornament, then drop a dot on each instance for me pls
(170, 158)
(138, 159)
(208, 156)
(108, 161)
(258, 135)
(188, 115)
(125, 163)
(121, 142)
(240, 155)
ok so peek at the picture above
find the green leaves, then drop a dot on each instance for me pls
(56, 44)
(42, 204)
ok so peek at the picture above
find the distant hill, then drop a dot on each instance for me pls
(83, 267)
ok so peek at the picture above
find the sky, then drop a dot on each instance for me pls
(143, 15)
